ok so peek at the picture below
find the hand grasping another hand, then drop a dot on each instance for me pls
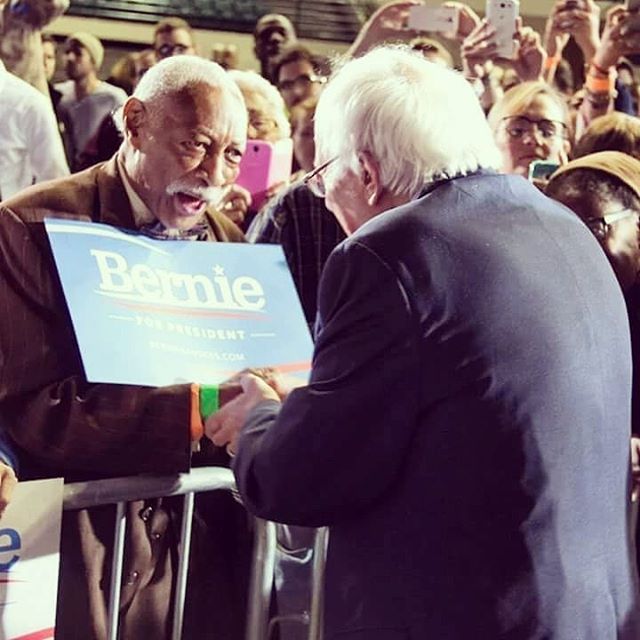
(224, 426)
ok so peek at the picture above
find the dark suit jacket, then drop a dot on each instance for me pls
(61, 425)
(465, 432)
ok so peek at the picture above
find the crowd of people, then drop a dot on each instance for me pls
(463, 231)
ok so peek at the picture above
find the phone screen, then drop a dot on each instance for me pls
(542, 169)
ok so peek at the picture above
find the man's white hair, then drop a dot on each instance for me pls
(418, 119)
(251, 82)
(174, 74)
(177, 73)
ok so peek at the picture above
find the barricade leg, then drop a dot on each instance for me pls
(116, 571)
(261, 580)
(317, 583)
(183, 566)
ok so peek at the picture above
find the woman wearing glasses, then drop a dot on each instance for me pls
(530, 122)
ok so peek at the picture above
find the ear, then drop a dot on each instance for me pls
(135, 118)
(370, 177)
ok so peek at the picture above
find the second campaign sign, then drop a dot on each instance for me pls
(154, 313)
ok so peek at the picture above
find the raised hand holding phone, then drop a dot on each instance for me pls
(502, 16)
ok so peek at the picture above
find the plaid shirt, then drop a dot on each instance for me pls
(308, 233)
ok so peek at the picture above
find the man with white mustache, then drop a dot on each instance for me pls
(185, 131)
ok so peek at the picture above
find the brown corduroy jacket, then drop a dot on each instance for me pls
(65, 426)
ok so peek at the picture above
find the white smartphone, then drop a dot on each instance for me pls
(502, 14)
(436, 19)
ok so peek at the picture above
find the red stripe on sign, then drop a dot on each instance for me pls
(185, 311)
(43, 634)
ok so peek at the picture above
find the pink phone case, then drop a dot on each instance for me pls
(263, 165)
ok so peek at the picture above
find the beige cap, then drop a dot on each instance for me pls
(91, 44)
(621, 165)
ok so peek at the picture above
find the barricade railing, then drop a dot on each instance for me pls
(120, 491)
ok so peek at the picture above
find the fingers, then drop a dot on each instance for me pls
(481, 43)
(223, 426)
(8, 482)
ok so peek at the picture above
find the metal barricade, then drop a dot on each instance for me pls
(120, 491)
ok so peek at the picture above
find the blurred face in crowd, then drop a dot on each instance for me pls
(184, 150)
(302, 133)
(271, 37)
(141, 64)
(537, 132)
(175, 42)
(49, 59)
(297, 81)
(78, 63)
(262, 117)
(615, 227)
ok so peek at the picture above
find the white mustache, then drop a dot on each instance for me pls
(211, 195)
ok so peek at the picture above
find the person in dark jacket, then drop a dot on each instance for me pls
(465, 430)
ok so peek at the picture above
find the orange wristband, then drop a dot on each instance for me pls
(599, 85)
(196, 427)
(551, 62)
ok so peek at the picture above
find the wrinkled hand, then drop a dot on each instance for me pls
(224, 426)
(583, 23)
(555, 37)
(530, 56)
(478, 48)
(281, 383)
(468, 21)
(8, 481)
(235, 203)
(389, 22)
(635, 468)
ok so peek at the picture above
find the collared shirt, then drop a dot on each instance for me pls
(308, 233)
(141, 213)
(30, 146)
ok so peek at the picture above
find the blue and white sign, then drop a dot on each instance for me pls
(154, 313)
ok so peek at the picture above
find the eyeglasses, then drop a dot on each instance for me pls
(518, 126)
(262, 125)
(314, 180)
(600, 226)
(168, 50)
(303, 82)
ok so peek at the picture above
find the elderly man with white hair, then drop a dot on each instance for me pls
(185, 132)
(464, 432)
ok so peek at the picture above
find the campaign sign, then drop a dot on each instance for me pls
(29, 561)
(161, 312)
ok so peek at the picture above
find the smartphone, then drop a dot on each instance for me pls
(502, 14)
(263, 165)
(436, 19)
(542, 170)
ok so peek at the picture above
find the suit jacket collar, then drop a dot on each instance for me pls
(432, 186)
(112, 203)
